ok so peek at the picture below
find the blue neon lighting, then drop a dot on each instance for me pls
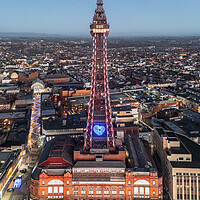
(18, 183)
(99, 129)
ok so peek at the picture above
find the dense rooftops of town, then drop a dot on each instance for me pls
(154, 81)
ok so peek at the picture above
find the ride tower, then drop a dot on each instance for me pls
(99, 130)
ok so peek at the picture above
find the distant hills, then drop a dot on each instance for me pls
(79, 35)
(41, 35)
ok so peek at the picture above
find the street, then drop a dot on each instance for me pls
(23, 191)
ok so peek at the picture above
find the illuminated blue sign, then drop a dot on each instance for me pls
(18, 183)
(99, 129)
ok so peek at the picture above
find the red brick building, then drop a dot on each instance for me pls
(57, 78)
(62, 174)
(28, 77)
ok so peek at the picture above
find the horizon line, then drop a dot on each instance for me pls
(84, 35)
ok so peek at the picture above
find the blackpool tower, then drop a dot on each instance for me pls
(99, 130)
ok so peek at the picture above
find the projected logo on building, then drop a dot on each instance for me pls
(18, 183)
(99, 129)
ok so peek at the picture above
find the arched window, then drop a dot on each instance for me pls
(141, 182)
(55, 182)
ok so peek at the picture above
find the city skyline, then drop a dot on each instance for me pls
(132, 18)
(82, 118)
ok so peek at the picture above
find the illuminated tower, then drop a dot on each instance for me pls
(99, 130)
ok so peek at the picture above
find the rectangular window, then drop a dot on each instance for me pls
(67, 192)
(136, 191)
(42, 182)
(114, 191)
(42, 193)
(83, 191)
(67, 182)
(98, 190)
(141, 191)
(129, 192)
(146, 191)
(75, 190)
(90, 190)
(49, 189)
(55, 189)
(154, 182)
(121, 191)
(60, 189)
(106, 191)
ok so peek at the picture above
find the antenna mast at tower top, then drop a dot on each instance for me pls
(99, 2)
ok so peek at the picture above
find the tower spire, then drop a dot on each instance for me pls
(99, 2)
(99, 130)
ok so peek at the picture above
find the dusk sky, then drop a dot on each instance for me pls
(126, 17)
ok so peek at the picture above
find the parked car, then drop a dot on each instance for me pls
(10, 190)
(24, 170)
(19, 176)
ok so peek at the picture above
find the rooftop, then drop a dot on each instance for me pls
(139, 157)
(71, 122)
(99, 164)
(10, 114)
(193, 148)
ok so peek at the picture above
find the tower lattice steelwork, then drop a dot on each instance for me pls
(99, 130)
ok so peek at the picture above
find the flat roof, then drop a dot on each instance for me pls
(48, 112)
(13, 114)
(122, 108)
(118, 96)
(193, 148)
(139, 155)
(192, 115)
(189, 125)
(72, 122)
(4, 155)
(99, 164)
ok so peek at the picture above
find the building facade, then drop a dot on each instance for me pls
(64, 173)
(179, 158)
(129, 186)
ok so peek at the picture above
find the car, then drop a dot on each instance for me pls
(24, 170)
(10, 190)
(19, 176)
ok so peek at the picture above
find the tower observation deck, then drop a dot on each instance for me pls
(99, 130)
